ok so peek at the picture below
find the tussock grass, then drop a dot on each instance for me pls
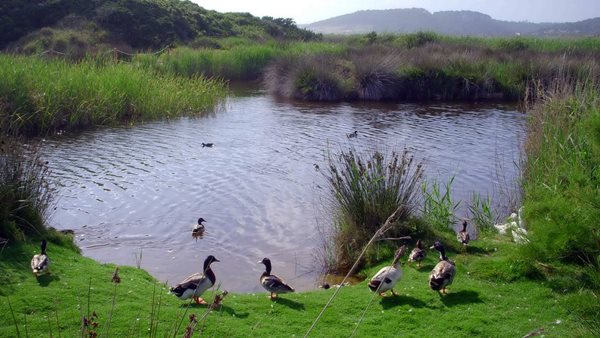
(38, 96)
(432, 68)
(367, 188)
(25, 196)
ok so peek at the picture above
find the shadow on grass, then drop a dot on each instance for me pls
(460, 297)
(289, 303)
(475, 250)
(424, 267)
(230, 311)
(46, 279)
(393, 301)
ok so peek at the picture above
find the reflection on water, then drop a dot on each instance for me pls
(123, 189)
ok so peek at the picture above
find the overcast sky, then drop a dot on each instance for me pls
(308, 11)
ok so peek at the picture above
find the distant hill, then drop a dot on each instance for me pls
(140, 24)
(446, 22)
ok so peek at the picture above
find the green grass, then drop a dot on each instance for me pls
(38, 96)
(483, 301)
(234, 60)
(562, 180)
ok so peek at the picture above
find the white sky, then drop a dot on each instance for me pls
(309, 11)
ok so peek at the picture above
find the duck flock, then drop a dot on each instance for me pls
(384, 280)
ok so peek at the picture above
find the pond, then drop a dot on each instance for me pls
(132, 194)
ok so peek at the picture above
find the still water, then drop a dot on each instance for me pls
(137, 191)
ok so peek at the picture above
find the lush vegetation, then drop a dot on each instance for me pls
(562, 193)
(40, 96)
(232, 59)
(482, 301)
(126, 24)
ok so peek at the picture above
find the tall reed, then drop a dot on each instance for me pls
(562, 179)
(367, 188)
(38, 96)
(25, 195)
(438, 206)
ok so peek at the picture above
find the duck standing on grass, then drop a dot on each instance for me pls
(198, 230)
(272, 283)
(40, 263)
(417, 254)
(463, 236)
(387, 277)
(195, 285)
(443, 273)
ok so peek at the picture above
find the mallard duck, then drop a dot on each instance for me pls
(443, 273)
(40, 263)
(353, 135)
(198, 230)
(417, 254)
(195, 285)
(209, 145)
(463, 236)
(387, 277)
(272, 283)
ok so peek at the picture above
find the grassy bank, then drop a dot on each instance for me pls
(231, 59)
(562, 194)
(38, 96)
(485, 300)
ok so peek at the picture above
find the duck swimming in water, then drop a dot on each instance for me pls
(198, 230)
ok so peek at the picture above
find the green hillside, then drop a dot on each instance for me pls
(138, 24)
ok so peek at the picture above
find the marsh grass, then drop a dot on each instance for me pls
(232, 59)
(41, 96)
(482, 213)
(430, 68)
(25, 194)
(561, 176)
(438, 207)
(366, 188)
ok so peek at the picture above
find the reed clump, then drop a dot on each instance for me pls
(25, 194)
(367, 188)
(39, 96)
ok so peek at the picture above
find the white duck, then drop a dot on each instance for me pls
(40, 263)
(387, 277)
(272, 283)
(195, 285)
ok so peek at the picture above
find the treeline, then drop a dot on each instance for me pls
(140, 24)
